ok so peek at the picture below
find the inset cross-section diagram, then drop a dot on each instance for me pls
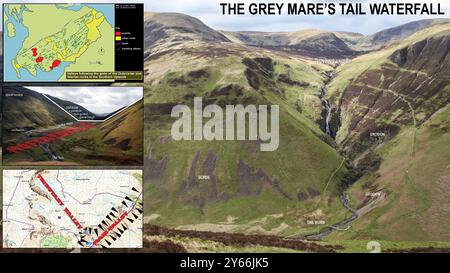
(72, 208)
(90, 126)
(73, 42)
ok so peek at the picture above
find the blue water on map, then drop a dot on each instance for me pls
(106, 9)
(12, 45)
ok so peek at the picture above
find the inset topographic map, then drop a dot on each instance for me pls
(72, 208)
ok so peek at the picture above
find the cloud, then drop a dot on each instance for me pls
(209, 11)
(99, 100)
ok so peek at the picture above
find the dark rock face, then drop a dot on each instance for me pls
(429, 55)
(155, 170)
(403, 31)
(197, 190)
(260, 72)
(410, 90)
(251, 182)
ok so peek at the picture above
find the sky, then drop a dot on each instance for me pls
(209, 11)
(98, 100)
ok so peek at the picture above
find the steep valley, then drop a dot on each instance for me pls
(344, 123)
(385, 115)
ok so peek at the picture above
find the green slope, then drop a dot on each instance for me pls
(26, 108)
(403, 92)
(248, 190)
(416, 208)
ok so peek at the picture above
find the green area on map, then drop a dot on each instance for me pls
(55, 242)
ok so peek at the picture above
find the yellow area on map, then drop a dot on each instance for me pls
(55, 47)
(48, 39)
(11, 30)
(93, 32)
(16, 67)
(92, 35)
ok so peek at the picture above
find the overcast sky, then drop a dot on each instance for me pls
(209, 11)
(98, 100)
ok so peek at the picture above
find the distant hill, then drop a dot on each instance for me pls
(243, 183)
(76, 110)
(308, 42)
(368, 103)
(402, 31)
(30, 110)
(177, 27)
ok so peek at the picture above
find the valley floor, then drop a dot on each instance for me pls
(167, 240)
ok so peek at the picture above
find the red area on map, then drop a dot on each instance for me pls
(111, 227)
(50, 190)
(39, 59)
(74, 220)
(52, 193)
(34, 50)
(55, 63)
(33, 143)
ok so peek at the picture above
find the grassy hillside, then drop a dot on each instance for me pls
(247, 190)
(74, 109)
(24, 108)
(29, 115)
(397, 86)
(417, 206)
(382, 91)
(124, 130)
(117, 141)
(403, 92)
